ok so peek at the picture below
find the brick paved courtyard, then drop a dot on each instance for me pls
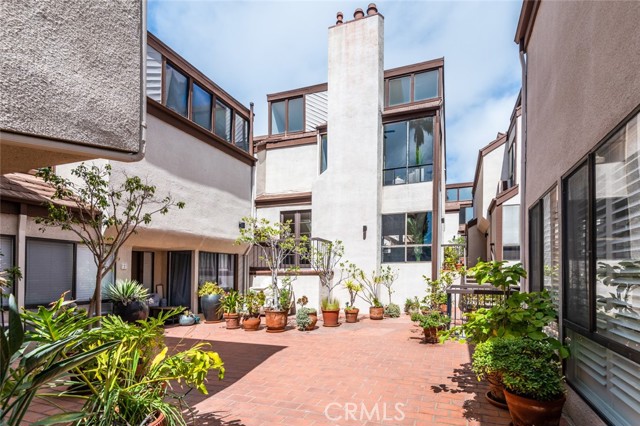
(376, 372)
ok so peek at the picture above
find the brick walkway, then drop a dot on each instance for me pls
(370, 373)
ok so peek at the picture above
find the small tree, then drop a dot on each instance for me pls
(92, 205)
(276, 242)
(387, 277)
(324, 258)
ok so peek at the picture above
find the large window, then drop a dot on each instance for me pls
(465, 215)
(511, 232)
(300, 224)
(287, 116)
(242, 133)
(406, 237)
(217, 267)
(464, 193)
(412, 88)
(201, 107)
(408, 151)
(223, 121)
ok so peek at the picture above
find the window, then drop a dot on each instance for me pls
(323, 153)
(412, 88)
(49, 271)
(86, 275)
(408, 151)
(154, 74)
(7, 259)
(176, 90)
(223, 121)
(217, 267)
(201, 107)
(460, 194)
(511, 232)
(465, 215)
(242, 133)
(300, 224)
(406, 237)
(287, 116)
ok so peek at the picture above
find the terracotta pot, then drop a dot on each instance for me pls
(314, 321)
(276, 321)
(431, 334)
(251, 323)
(529, 412)
(330, 318)
(232, 320)
(376, 313)
(210, 305)
(496, 388)
(131, 312)
(351, 315)
(159, 421)
(443, 308)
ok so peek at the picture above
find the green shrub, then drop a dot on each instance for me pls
(302, 317)
(490, 357)
(210, 288)
(392, 310)
(430, 319)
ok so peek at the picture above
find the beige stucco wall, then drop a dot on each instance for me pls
(583, 79)
(73, 71)
(291, 169)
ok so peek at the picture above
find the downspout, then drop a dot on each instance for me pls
(254, 169)
(523, 163)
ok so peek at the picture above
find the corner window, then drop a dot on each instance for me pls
(408, 151)
(426, 85)
(176, 90)
(412, 88)
(201, 107)
(406, 237)
(323, 153)
(287, 116)
(223, 121)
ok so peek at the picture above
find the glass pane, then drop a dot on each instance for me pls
(207, 267)
(86, 275)
(419, 254)
(551, 277)
(395, 176)
(452, 194)
(617, 217)
(201, 107)
(511, 224)
(226, 270)
(465, 193)
(278, 117)
(535, 262)
(223, 121)
(290, 217)
(392, 254)
(296, 119)
(400, 90)
(421, 141)
(176, 90)
(395, 145)
(577, 210)
(323, 153)
(242, 133)
(419, 228)
(393, 229)
(511, 253)
(420, 174)
(6, 251)
(426, 85)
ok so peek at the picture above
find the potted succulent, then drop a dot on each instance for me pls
(392, 310)
(210, 293)
(533, 382)
(411, 305)
(306, 318)
(229, 303)
(276, 316)
(432, 323)
(187, 318)
(129, 300)
(330, 311)
(350, 311)
(253, 302)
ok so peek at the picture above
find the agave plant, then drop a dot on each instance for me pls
(127, 291)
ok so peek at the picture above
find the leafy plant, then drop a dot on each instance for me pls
(330, 304)
(500, 276)
(230, 301)
(209, 288)
(436, 290)
(490, 357)
(324, 258)
(31, 360)
(253, 302)
(303, 320)
(431, 319)
(353, 288)
(370, 285)
(96, 204)
(387, 278)
(392, 310)
(286, 293)
(127, 291)
(411, 305)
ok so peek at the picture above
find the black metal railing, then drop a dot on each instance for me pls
(258, 263)
(469, 297)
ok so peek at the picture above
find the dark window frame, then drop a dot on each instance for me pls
(457, 189)
(286, 116)
(407, 167)
(217, 273)
(299, 261)
(14, 245)
(412, 86)
(405, 246)
(324, 146)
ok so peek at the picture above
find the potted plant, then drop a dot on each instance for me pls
(276, 316)
(370, 290)
(488, 362)
(411, 305)
(432, 323)
(187, 318)
(306, 318)
(436, 298)
(387, 278)
(350, 311)
(253, 302)
(129, 300)
(229, 302)
(392, 310)
(533, 382)
(210, 293)
(330, 311)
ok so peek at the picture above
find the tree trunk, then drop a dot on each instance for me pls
(95, 306)
(274, 288)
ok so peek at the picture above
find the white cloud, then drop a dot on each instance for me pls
(254, 48)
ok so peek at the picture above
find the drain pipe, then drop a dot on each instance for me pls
(523, 161)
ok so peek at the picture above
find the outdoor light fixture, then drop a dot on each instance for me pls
(241, 225)
(364, 232)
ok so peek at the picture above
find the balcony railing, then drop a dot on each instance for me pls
(469, 297)
(257, 262)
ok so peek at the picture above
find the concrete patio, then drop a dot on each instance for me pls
(369, 373)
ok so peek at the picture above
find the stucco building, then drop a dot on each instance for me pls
(581, 105)
(360, 159)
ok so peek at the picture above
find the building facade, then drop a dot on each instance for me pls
(581, 100)
(360, 159)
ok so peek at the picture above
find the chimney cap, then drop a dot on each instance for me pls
(339, 17)
(372, 9)
(359, 13)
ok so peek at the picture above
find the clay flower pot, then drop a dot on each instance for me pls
(159, 420)
(314, 321)
(496, 390)
(232, 320)
(330, 318)
(251, 323)
(529, 412)
(376, 313)
(276, 321)
(431, 334)
(351, 315)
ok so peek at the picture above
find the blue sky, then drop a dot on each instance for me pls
(251, 48)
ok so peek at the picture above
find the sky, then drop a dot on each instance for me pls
(252, 48)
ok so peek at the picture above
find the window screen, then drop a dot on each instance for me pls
(49, 271)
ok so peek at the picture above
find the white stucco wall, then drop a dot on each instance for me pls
(290, 169)
(451, 226)
(491, 173)
(415, 197)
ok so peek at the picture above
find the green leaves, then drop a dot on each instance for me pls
(59, 418)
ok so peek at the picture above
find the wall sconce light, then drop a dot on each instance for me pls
(364, 232)
(241, 225)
